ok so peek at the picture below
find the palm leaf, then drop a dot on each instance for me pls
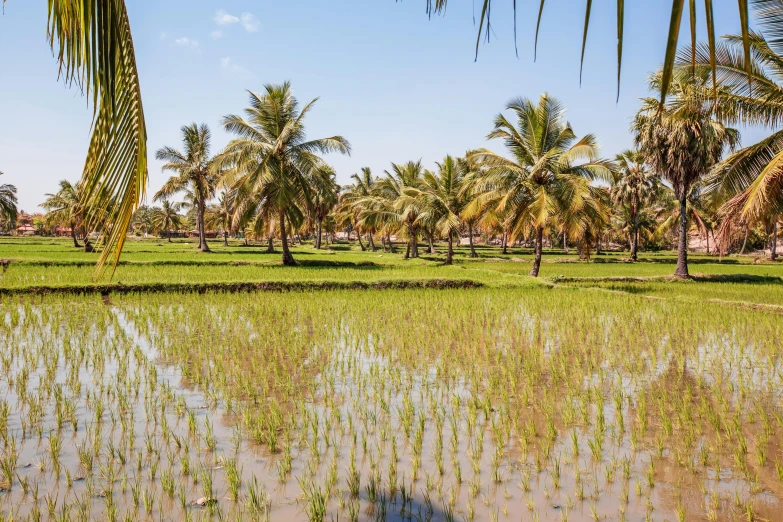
(770, 14)
(620, 24)
(584, 37)
(94, 46)
(671, 46)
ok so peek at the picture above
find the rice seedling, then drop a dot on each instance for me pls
(527, 393)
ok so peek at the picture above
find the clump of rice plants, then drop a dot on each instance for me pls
(484, 404)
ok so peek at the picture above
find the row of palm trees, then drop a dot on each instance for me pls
(270, 181)
(273, 181)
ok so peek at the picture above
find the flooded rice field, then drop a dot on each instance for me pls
(537, 404)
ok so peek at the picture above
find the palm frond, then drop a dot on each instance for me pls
(94, 47)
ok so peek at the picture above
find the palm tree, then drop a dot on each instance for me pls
(167, 216)
(397, 193)
(142, 220)
(195, 172)
(325, 197)
(633, 183)
(682, 139)
(549, 174)
(8, 210)
(474, 213)
(271, 161)
(353, 202)
(65, 208)
(223, 214)
(444, 199)
(749, 183)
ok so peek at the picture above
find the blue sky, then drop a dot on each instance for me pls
(397, 85)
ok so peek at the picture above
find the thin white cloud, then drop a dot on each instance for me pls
(186, 42)
(216, 35)
(223, 18)
(228, 65)
(164, 36)
(250, 22)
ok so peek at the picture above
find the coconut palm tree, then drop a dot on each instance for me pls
(271, 162)
(223, 214)
(549, 175)
(353, 201)
(8, 201)
(443, 199)
(65, 208)
(585, 223)
(681, 140)
(325, 197)
(397, 201)
(195, 171)
(633, 184)
(142, 220)
(167, 216)
(476, 211)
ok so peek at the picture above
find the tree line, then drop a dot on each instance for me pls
(687, 171)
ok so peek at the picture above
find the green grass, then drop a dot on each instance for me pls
(55, 264)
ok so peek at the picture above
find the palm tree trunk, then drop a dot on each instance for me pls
(773, 254)
(389, 242)
(635, 228)
(565, 243)
(538, 249)
(432, 244)
(225, 238)
(470, 240)
(168, 233)
(318, 234)
(414, 244)
(359, 237)
(745, 241)
(450, 251)
(270, 245)
(708, 241)
(682, 248)
(505, 243)
(73, 235)
(288, 259)
(202, 236)
(372, 243)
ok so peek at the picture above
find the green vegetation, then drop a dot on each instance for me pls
(471, 367)
(489, 404)
(48, 264)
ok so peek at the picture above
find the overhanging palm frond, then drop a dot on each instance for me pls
(769, 12)
(94, 46)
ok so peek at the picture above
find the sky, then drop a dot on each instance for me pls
(398, 85)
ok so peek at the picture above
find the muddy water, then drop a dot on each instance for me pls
(140, 436)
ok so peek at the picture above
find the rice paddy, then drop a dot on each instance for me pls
(582, 400)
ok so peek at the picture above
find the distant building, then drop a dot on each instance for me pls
(26, 230)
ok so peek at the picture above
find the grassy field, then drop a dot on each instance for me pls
(55, 263)
(601, 391)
